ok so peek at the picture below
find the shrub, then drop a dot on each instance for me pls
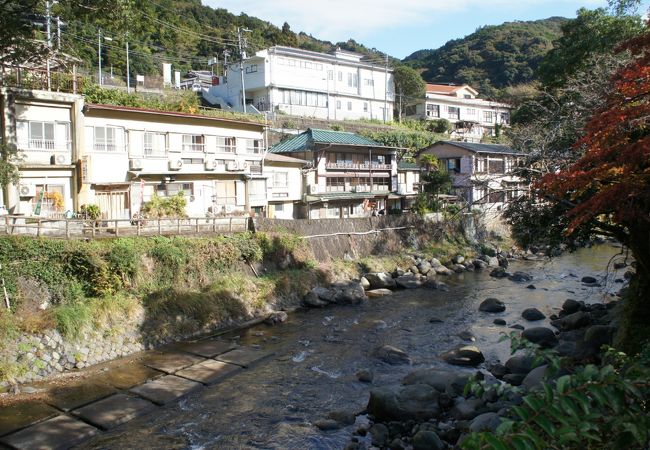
(91, 212)
(159, 207)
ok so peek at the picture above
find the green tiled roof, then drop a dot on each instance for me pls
(307, 140)
(403, 165)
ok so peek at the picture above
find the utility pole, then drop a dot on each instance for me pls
(49, 42)
(241, 66)
(99, 57)
(58, 33)
(128, 70)
(386, 89)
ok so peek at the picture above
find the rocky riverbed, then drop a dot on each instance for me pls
(337, 367)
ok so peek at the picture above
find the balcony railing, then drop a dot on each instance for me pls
(358, 166)
(48, 144)
(107, 147)
(193, 147)
(226, 149)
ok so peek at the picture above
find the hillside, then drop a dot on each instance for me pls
(493, 57)
(184, 33)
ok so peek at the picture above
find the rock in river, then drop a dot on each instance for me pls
(572, 321)
(520, 277)
(499, 272)
(532, 314)
(492, 305)
(413, 402)
(467, 355)
(380, 280)
(408, 282)
(391, 355)
(376, 293)
(427, 440)
(542, 336)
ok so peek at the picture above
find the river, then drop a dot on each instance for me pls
(317, 353)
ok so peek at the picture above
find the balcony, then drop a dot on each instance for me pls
(357, 166)
(193, 147)
(48, 145)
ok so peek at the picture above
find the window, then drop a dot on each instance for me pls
(338, 104)
(193, 142)
(154, 144)
(292, 63)
(433, 110)
(360, 184)
(280, 180)
(471, 112)
(105, 139)
(369, 82)
(309, 65)
(172, 189)
(480, 164)
(226, 194)
(335, 184)
(496, 166)
(380, 184)
(453, 112)
(452, 165)
(353, 80)
(505, 118)
(226, 144)
(487, 116)
(257, 190)
(365, 106)
(41, 135)
(279, 207)
(349, 106)
(467, 96)
(330, 75)
(251, 69)
(192, 160)
(253, 146)
(52, 202)
(340, 76)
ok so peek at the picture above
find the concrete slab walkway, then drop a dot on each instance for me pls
(66, 415)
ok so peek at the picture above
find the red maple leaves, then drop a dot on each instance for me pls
(611, 182)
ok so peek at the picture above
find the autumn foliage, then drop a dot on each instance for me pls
(609, 187)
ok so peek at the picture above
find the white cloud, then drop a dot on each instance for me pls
(338, 20)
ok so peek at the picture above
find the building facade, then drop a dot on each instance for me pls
(350, 176)
(40, 126)
(471, 118)
(483, 174)
(72, 154)
(286, 80)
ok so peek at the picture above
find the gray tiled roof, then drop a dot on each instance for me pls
(480, 148)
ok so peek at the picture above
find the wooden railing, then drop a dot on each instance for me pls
(87, 228)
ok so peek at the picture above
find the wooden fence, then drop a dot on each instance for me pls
(86, 228)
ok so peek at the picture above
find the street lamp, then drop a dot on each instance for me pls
(99, 54)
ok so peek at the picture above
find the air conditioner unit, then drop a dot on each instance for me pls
(27, 190)
(312, 189)
(244, 166)
(175, 164)
(135, 164)
(211, 164)
(232, 166)
(229, 208)
(60, 159)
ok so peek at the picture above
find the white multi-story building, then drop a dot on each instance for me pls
(39, 125)
(73, 154)
(471, 118)
(335, 86)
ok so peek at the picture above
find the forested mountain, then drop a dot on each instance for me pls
(493, 57)
(184, 33)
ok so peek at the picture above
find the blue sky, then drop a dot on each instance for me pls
(400, 27)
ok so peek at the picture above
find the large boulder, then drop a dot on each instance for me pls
(352, 294)
(520, 277)
(466, 355)
(532, 314)
(380, 280)
(436, 378)
(485, 422)
(365, 283)
(492, 305)
(408, 282)
(480, 264)
(442, 270)
(467, 409)
(413, 402)
(499, 272)
(534, 378)
(329, 295)
(589, 280)
(424, 267)
(427, 440)
(572, 321)
(544, 337)
(571, 306)
(391, 355)
(520, 364)
(312, 300)
(376, 293)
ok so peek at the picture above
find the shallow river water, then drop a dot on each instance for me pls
(317, 353)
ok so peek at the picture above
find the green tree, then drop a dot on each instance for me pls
(593, 32)
(409, 87)
(16, 31)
